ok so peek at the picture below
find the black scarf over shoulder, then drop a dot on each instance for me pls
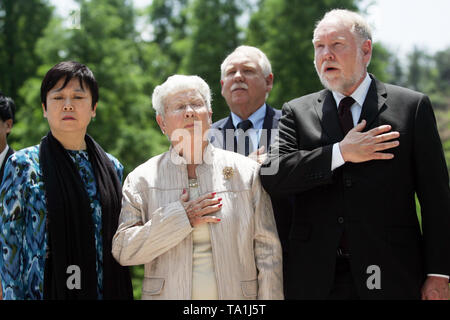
(70, 226)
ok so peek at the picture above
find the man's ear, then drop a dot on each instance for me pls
(269, 82)
(44, 111)
(221, 87)
(367, 50)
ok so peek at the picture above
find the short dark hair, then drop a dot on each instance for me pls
(69, 70)
(7, 108)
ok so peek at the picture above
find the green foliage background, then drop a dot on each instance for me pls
(183, 36)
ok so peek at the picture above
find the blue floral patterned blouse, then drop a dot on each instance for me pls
(23, 237)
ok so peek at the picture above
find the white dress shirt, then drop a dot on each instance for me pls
(359, 95)
(257, 119)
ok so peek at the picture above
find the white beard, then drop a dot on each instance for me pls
(344, 83)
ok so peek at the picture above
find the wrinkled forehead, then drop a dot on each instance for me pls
(333, 28)
(242, 58)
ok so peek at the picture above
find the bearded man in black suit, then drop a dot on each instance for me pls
(355, 155)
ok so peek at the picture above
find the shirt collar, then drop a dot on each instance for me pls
(257, 117)
(359, 94)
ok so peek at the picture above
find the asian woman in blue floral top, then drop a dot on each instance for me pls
(60, 202)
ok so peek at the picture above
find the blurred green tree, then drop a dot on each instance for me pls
(442, 60)
(22, 23)
(214, 33)
(380, 64)
(440, 96)
(441, 80)
(169, 21)
(418, 72)
(395, 70)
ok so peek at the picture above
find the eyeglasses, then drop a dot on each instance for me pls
(182, 108)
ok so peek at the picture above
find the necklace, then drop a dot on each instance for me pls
(193, 183)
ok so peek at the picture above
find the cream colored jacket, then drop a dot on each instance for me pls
(154, 229)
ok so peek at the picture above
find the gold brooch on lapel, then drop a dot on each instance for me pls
(227, 172)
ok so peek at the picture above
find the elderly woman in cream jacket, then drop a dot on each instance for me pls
(197, 216)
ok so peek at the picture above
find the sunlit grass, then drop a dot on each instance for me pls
(137, 275)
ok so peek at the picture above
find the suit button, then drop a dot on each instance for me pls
(341, 220)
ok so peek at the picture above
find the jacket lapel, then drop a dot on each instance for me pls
(326, 110)
(228, 124)
(374, 102)
(270, 122)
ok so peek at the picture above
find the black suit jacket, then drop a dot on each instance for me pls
(2, 170)
(373, 201)
(282, 205)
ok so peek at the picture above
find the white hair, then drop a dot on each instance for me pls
(262, 59)
(177, 83)
(358, 24)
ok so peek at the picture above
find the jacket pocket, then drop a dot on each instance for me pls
(152, 286)
(249, 288)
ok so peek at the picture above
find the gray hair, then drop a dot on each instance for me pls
(262, 59)
(359, 25)
(177, 83)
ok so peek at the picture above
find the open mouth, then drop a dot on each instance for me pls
(328, 69)
(68, 118)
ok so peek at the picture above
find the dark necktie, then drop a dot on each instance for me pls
(345, 115)
(244, 126)
(346, 122)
